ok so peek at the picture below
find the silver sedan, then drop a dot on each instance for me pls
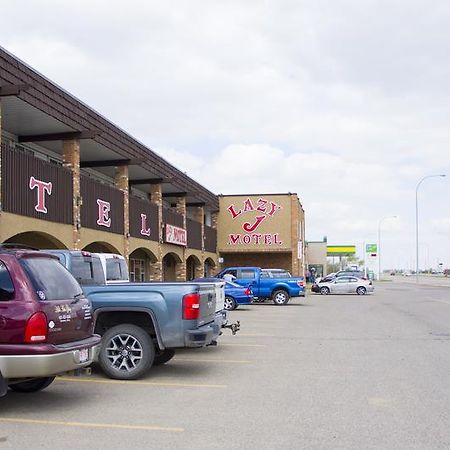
(346, 285)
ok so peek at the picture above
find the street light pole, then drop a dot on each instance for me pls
(417, 220)
(379, 242)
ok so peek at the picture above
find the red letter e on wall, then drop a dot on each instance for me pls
(103, 213)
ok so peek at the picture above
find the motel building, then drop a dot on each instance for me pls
(71, 179)
(265, 230)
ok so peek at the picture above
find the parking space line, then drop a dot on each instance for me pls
(225, 361)
(143, 383)
(90, 425)
(440, 301)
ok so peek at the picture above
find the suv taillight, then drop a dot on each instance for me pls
(36, 329)
(248, 292)
(301, 283)
(191, 306)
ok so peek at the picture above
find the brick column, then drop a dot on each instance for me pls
(121, 182)
(199, 216)
(71, 160)
(214, 219)
(181, 267)
(156, 267)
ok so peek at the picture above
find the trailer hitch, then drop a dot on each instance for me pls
(234, 327)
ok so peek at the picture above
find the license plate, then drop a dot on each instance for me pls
(84, 355)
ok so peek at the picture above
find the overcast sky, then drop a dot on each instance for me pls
(345, 102)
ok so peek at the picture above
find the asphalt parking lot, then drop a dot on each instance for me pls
(346, 372)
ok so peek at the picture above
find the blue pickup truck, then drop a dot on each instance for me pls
(275, 284)
(142, 324)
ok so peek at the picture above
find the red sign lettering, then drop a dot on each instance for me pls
(42, 188)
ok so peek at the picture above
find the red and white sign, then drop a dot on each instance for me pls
(257, 213)
(176, 235)
(103, 213)
(42, 188)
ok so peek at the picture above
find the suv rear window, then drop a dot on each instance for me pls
(116, 269)
(6, 284)
(50, 279)
(88, 270)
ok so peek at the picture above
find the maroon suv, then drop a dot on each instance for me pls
(46, 325)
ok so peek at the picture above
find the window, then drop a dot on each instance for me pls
(247, 274)
(116, 269)
(352, 280)
(280, 274)
(6, 284)
(137, 270)
(50, 279)
(265, 274)
(231, 272)
(342, 280)
(88, 270)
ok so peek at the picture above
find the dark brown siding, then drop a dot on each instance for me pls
(138, 207)
(194, 234)
(91, 191)
(210, 239)
(17, 169)
(172, 218)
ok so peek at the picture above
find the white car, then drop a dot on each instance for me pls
(346, 285)
(115, 268)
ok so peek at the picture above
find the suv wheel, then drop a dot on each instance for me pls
(32, 385)
(127, 352)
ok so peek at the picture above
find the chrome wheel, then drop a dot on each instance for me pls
(361, 290)
(124, 352)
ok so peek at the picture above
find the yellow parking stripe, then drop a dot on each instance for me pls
(91, 425)
(143, 383)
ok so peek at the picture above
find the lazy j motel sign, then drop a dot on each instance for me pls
(254, 222)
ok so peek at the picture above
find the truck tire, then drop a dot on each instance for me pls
(230, 303)
(280, 297)
(34, 385)
(163, 356)
(126, 353)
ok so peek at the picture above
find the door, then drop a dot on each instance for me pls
(247, 277)
(341, 285)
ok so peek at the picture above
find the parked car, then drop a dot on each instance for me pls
(266, 283)
(46, 324)
(351, 273)
(235, 294)
(142, 324)
(115, 268)
(345, 285)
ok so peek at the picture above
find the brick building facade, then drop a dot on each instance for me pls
(265, 230)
